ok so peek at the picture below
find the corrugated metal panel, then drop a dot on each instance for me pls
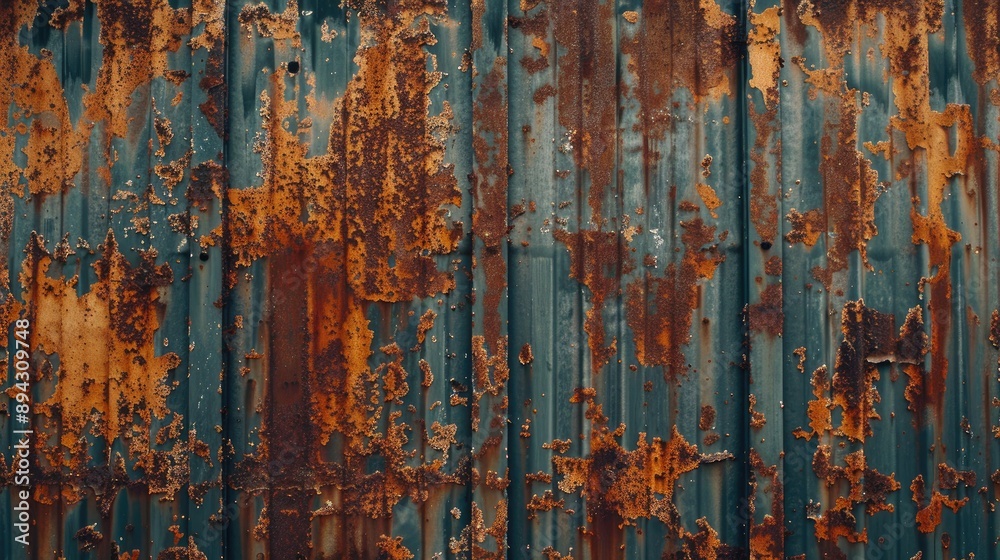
(532, 279)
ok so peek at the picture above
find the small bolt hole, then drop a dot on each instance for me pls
(293, 67)
(203, 256)
(765, 245)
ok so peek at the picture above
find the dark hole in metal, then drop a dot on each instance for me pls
(765, 245)
(293, 67)
(203, 256)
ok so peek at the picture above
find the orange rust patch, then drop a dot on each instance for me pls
(268, 24)
(392, 548)
(136, 36)
(30, 89)
(545, 502)
(620, 486)
(709, 198)
(819, 410)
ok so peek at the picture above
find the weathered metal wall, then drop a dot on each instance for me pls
(527, 279)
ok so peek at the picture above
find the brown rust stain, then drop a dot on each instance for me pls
(525, 356)
(597, 260)
(763, 195)
(587, 91)
(707, 419)
(939, 142)
(982, 27)
(490, 366)
(659, 308)
(768, 316)
(681, 43)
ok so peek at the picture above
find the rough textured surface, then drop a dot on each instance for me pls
(582, 279)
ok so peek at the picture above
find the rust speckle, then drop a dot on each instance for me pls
(88, 538)
(707, 419)
(426, 323)
(757, 419)
(525, 356)
(768, 316)
(268, 24)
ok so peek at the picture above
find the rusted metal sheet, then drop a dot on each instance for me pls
(527, 279)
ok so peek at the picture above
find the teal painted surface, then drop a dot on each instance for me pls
(519, 279)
